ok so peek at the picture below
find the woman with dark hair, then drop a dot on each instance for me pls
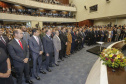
(5, 68)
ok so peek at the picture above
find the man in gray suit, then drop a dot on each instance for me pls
(19, 53)
(36, 49)
(57, 46)
(118, 34)
(26, 35)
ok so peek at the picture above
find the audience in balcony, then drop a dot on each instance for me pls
(54, 2)
(35, 12)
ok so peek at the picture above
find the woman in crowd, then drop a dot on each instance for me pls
(5, 68)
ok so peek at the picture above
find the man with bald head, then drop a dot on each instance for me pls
(19, 53)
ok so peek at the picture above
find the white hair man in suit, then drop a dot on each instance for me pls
(57, 46)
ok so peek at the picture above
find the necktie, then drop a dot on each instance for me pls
(37, 40)
(3, 40)
(50, 37)
(20, 44)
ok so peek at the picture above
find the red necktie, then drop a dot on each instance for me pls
(20, 44)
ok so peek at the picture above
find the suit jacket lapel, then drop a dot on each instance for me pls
(18, 44)
(35, 40)
(48, 37)
(5, 39)
(39, 40)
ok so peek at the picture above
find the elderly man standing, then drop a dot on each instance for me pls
(19, 53)
(57, 46)
(48, 49)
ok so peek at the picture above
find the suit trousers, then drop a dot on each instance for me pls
(117, 37)
(49, 59)
(56, 53)
(37, 59)
(73, 46)
(62, 51)
(19, 72)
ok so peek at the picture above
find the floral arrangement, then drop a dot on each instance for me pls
(113, 58)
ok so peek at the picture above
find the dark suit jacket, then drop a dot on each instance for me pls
(33, 45)
(16, 52)
(89, 34)
(80, 34)
(63, 38)
(2, 45)
(48, 44)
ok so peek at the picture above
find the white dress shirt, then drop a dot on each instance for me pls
(36, 38)
(2, 38)
(17, 41)
(58, 37)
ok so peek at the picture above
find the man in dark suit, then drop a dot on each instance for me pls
(82, 38)
(89, 37)
(105, 35)
(63, 39)
(73, 40)
(48, 49)
(36, 49)
(3, 41)
(19, 53)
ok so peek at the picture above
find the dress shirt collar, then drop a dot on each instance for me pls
(2, 38)
(48, 35)
(17, 40)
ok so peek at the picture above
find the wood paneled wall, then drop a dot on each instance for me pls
(2, 4)
(86, 22)
(64, 1)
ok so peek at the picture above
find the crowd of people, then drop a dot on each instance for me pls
(35, 12)
(19, 44)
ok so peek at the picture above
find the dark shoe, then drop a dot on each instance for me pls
(48, 70)
(65, 57)
(51, 66)
(57, 64)
(59, 61)
(37, 77)
(29, 81)
(62, 59)
(69, 56)
(43, 72)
